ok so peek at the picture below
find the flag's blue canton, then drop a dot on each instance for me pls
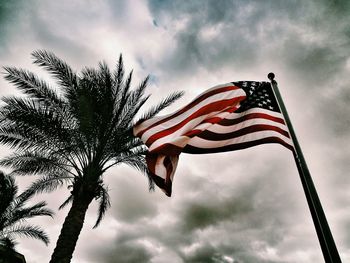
(259, 95)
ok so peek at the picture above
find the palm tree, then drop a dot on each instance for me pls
(72, 135)
(14, 213)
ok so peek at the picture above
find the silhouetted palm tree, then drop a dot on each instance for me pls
(73, 135)
(14, 213)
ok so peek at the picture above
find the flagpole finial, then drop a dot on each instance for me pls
(271, 76)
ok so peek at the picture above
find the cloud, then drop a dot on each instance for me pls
(220, 33)
(131, 207)
(242, 35)
(245, 206)
(217, 226)
(124, 252)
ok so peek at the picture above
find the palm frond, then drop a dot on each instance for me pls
(18, 140)
(137, 94)
(127, 104)
(8, 242)
(60, 69)
(16, 213)
(31, 85)
(32, 163)
(19, 215)
(134, 160)
(49, 183)
(134, 101)
(70, 136)
(8, 192)
(24, 119)
(124, 145)
(66, 202)
(123, 95)
(138, 162)
(129, 112)
(118, 75)
(162, 105)
(105, 77)
(19, 201)
(38, 209)
(28, 231)
(104, 204)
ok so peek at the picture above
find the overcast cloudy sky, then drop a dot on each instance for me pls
(244, 206)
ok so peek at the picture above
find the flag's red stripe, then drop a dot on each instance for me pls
(229, 122)
(151, 160)
(212, 136)
(189, 106)
(214, 106)
(169, 167)
(218, 119)
(192, 133)
(237, 146)
(213, 120)
(171, 149)
(163, 184)
(160, 182)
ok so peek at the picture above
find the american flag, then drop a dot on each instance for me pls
(227, 117)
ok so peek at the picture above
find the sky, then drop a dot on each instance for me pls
(234, 207)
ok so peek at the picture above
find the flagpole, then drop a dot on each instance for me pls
(329, 249)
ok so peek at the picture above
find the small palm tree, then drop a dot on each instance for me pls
(14, 213)
(73, 135)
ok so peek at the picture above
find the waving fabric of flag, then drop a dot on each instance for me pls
(227, 117)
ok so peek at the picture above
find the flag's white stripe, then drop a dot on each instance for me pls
(226, 85)
(160, 169)
(173, 121)
(234, 115)
(207, 144)
(217, 128)
(181, 141)
(153, 120)
(143, 125)
(191, 125)
(174, 161)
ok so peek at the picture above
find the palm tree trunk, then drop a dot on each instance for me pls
(70, 230)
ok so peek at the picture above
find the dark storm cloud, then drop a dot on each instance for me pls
(123, 253)
(219, 229)
(254, 208)
(240, 31)
(318, 52)
(209, 254)
(337, 107)
(127, 246)
(131, 207)
(245, 211)
(9, 13)
(201, 215)
(310, 39)
(320, 63)
(205, 254)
